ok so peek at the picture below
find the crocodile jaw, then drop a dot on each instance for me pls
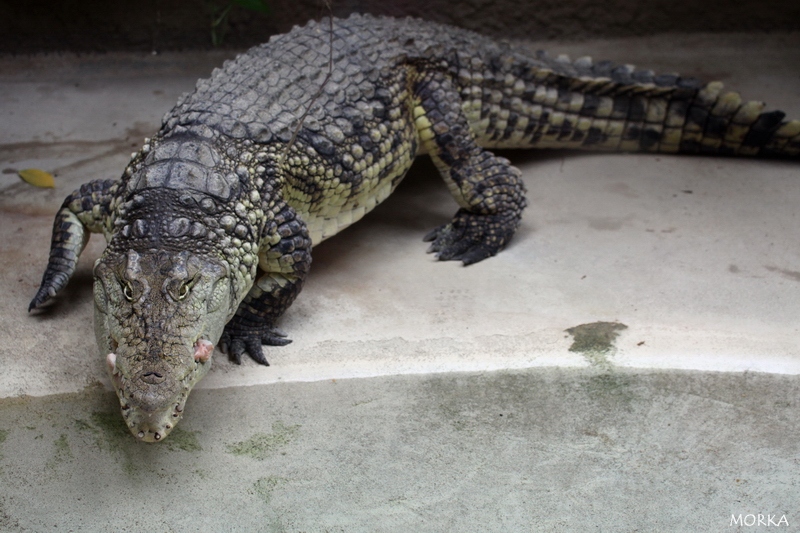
(153, 426)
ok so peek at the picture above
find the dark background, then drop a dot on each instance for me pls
(160, 25)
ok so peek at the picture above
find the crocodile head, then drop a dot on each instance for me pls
(158, 315)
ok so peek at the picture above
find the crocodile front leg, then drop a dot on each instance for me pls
(285, 261)
(488, 189)
(87, 210)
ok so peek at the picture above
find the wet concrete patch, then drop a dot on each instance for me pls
(595, 341)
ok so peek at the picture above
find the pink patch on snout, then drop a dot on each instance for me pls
(111, 361)
(202, 350)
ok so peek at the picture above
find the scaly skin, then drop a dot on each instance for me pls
(210, 227)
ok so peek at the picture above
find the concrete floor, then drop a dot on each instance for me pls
(424, 396)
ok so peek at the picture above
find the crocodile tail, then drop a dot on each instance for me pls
(720, 122)
(701, 118)
(631, 110)
(605, 106)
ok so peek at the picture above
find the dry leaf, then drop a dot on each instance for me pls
(37, 178)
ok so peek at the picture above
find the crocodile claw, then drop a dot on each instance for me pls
(470, 237)
(237, 343)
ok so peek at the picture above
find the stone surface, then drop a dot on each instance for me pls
(544, 450)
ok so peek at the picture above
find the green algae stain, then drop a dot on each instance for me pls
(112, 435)
(612, 387)
(595, 341)
(111, 432)
(3, 437)
(262, 445)
(265, 486)
(108, 429)
(111, 426)
(62, 454)
(83, 425)
(63, 450)
(181, 439)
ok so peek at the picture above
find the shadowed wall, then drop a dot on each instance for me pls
(106, 25)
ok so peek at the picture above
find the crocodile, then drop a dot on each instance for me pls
(210, 228)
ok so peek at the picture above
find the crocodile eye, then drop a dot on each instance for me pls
(183, 291)
(127, 291)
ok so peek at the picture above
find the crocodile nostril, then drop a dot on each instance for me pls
(152, 377)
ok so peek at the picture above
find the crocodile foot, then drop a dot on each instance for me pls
(470, 237)
(235, 342)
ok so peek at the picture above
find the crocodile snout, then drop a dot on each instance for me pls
(152, 426)
(152, 429)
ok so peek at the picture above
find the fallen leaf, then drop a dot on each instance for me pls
(37, 178)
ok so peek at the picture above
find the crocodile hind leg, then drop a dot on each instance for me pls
(488, 189)
(285, 262)
(87, 210)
